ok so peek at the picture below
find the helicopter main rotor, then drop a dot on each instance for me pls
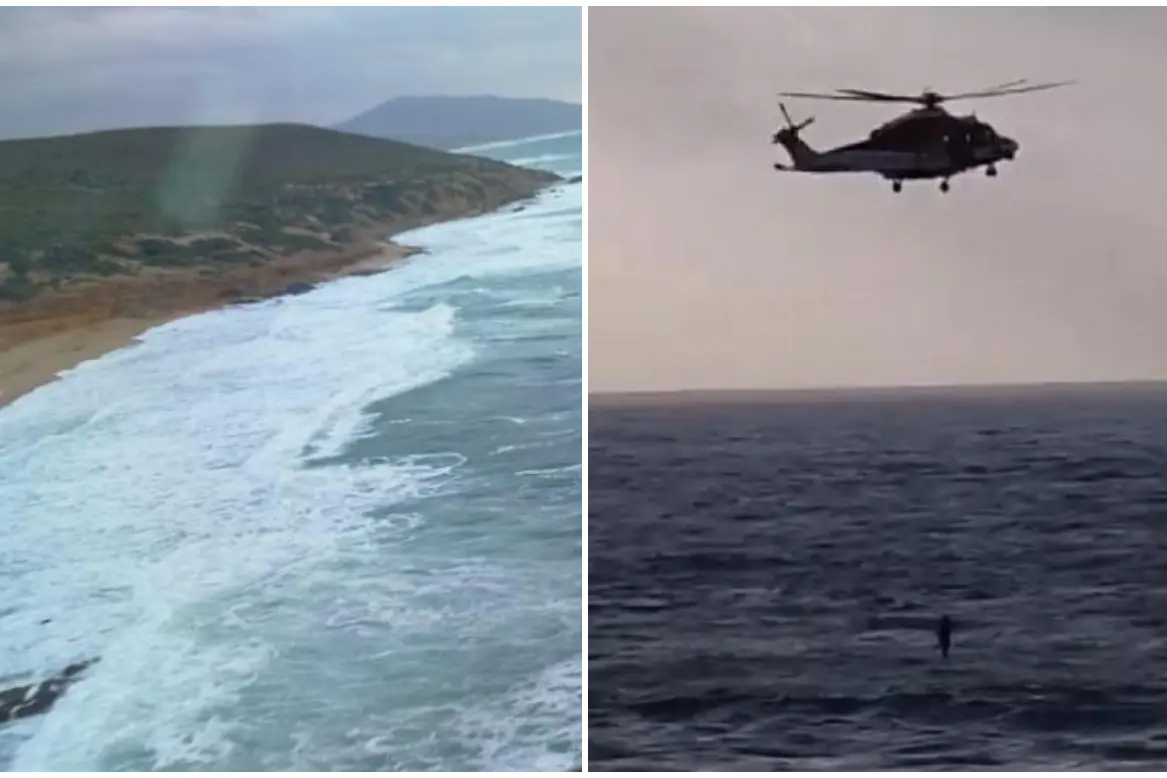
(928, 98)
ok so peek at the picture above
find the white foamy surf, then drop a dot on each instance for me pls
(305, 533)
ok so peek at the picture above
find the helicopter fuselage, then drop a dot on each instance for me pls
(927, 143)
(923, 163)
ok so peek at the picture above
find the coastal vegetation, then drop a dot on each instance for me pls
(82, 208)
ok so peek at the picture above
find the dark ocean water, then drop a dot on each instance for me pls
(765, 574)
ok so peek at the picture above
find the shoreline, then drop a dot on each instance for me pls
(46, 336)
(310, 205)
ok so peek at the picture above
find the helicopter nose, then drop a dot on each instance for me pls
(1009, 147)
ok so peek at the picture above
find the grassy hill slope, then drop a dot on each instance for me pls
(117, 203)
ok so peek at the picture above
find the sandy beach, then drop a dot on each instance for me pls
(41, 338)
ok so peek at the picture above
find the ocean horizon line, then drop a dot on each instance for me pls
(876, 389)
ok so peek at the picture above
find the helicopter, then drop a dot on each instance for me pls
(925, 143)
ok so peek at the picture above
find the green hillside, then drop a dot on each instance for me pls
(114, 202)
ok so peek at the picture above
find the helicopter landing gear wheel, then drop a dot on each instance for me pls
(944, 185)
(991, 171)
(897, 186)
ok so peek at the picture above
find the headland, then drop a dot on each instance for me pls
(107, 234)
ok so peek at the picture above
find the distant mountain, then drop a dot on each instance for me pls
(454, 122)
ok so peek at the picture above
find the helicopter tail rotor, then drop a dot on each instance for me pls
(790, 125)
(802, 156)
(790, 132)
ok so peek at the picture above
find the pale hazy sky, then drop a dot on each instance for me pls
(710, 270)
(72, 69)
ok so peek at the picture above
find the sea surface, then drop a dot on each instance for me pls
(766, 571)
(337, 531)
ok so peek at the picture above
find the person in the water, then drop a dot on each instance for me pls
(944, 634)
